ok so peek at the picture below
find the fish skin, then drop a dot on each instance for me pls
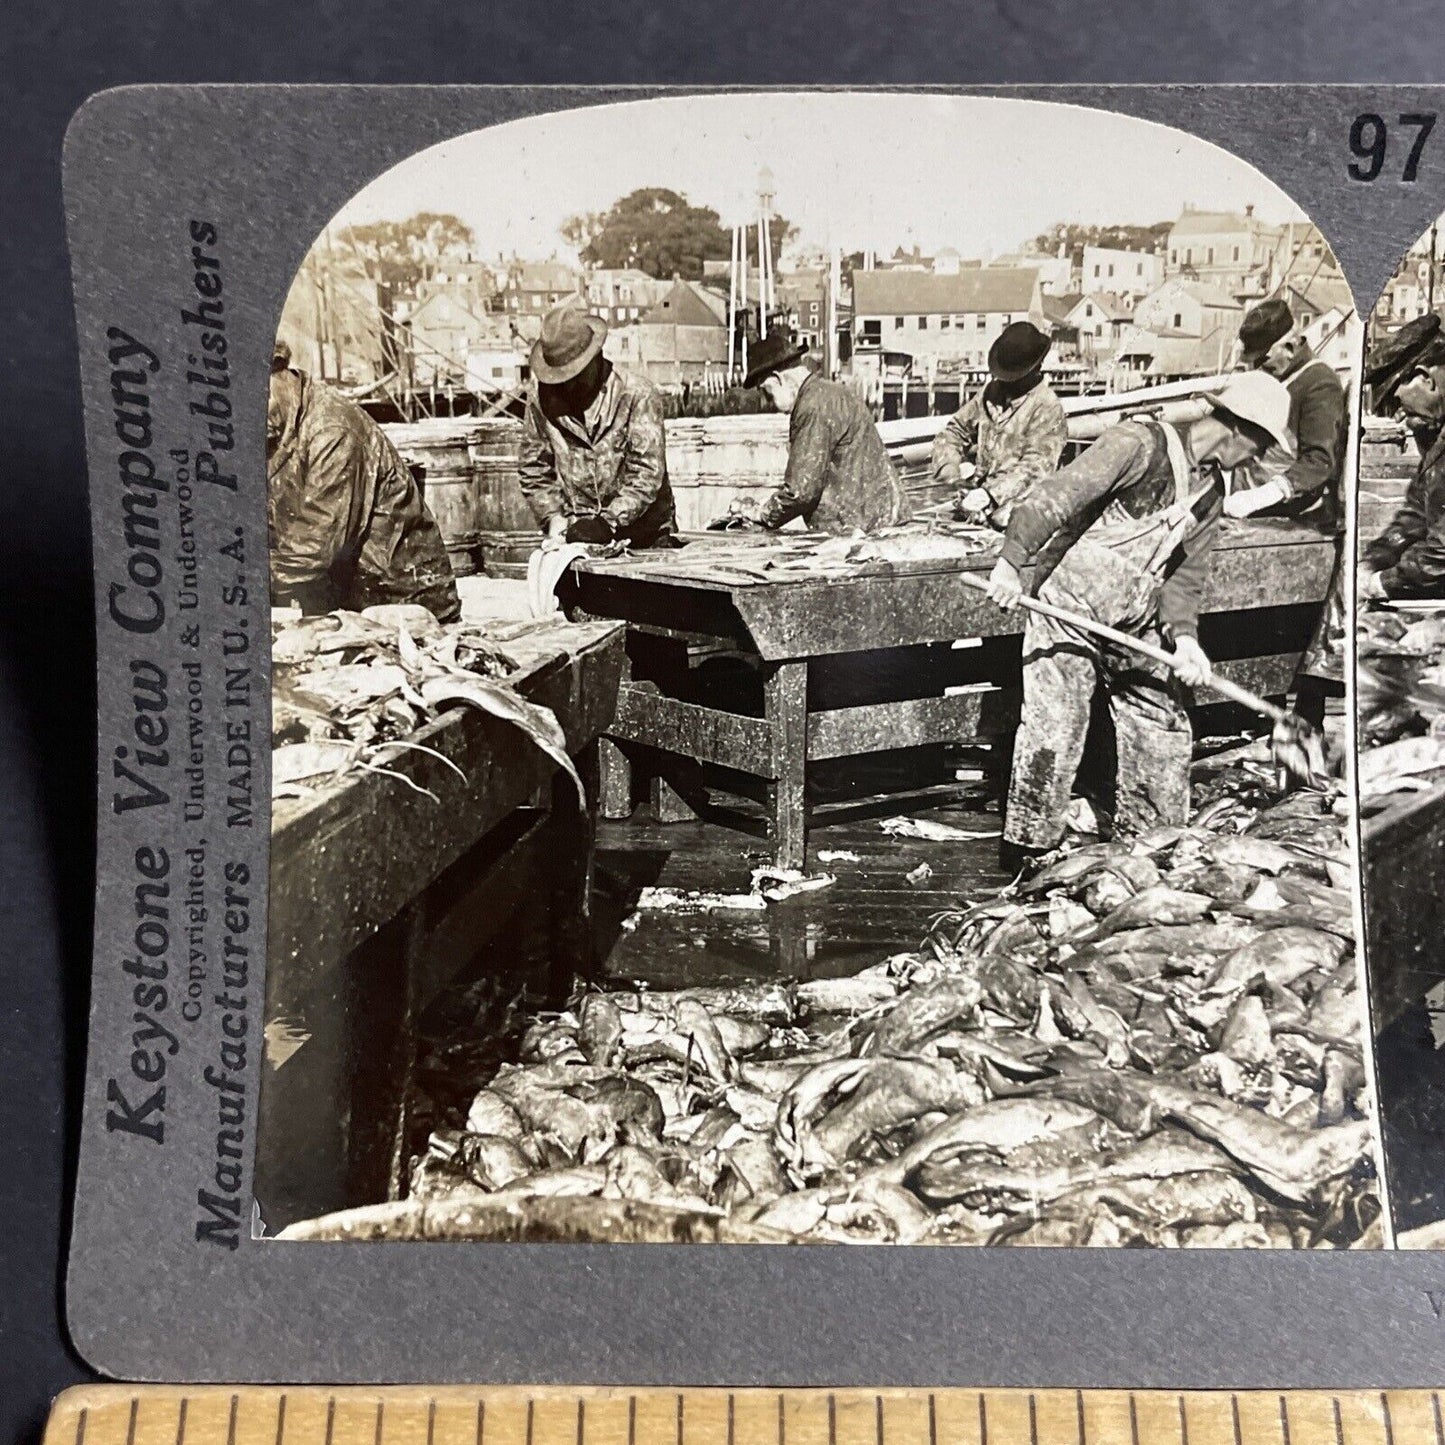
(1246, 1037)
(889, 1095)
(740, 1036)
(491, 1114)
(632, 1104)
(1099, 1021)
(491, 1161)
(846, 995)
(1294, 1163)
(1000, 1126)
(1282, 956)
(923, 1013)
(1154, 906)
(600, 1030)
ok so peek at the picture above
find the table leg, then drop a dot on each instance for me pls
(616, 784)
(574, 834)
(785, 701)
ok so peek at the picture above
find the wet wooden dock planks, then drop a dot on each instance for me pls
(379, 895)
(765, 601)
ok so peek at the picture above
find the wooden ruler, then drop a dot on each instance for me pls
(519, 1415)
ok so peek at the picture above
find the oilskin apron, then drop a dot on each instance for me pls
(1112, 574)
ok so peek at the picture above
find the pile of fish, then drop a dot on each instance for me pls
(1154, 1043)
(350, 689)
(1400, 688)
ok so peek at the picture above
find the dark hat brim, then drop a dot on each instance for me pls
(759, 374)
(556, 375)
(1026, 367)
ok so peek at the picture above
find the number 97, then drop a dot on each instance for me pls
(1369, 140)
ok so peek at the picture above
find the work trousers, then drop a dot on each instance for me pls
(1062, 669)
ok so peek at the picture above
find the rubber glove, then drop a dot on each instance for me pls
(1005, 586)
(975, 502)
(1190, 662)
(1255, 499)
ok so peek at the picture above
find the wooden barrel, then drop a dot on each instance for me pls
(714, 461)
(494, 443)
(438, 453)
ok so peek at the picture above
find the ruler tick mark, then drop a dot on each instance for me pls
(581, 1415)
(878, 1418)
(230, 1420)
(1133, 1418)
(1389, 1423)
(932, 1418)
(376, 1429)
(431, 1421)
(280, 1417)
(1339, 1424)
(181, 1421)
(1079, 1414)
(530, 1411)
(782, 1425)
(1284, 1421)
(81, 1418)
(679, 1420)
(983, 1419)
(631, 1420)
(730, 1418)
(134, 1414)
(1183, 1422)
(330, 1418)
(1033, 1419)
(1435, 1410)
(1234, 1418)
(832, 1420)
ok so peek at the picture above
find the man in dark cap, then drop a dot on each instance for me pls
(1305, 486)
(839, 478)
(348, 525)
(1407, 559)
(593, 462)
(1007, 437)
(1309, 482)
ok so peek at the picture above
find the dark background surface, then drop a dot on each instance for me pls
(54, 58)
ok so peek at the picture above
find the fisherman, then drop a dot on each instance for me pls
(593, 462)
(839, 478)
(1407, 559)
(1122, 535)
(348, 526)
(1306, 486)
(1009, 436)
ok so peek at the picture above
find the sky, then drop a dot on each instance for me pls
(982, 174)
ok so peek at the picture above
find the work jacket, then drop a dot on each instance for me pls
(1409, 554)
(1013, 444)
(612, 461)
(1319, 420)
(1108, 494)
(839, 478)
(348, 526)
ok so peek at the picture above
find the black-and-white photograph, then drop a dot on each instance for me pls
(1400, 683)
(809, 704)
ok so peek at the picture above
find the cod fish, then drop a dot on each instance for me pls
(1294, 1163)
(889, 1095)
(1154, 906)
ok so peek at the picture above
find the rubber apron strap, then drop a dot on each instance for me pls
(1174, 524)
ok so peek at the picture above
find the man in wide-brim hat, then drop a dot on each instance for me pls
(593, 462)
(1009, 436)
(1122, 534)
(839, 478)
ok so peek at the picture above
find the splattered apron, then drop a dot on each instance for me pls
(1112, 574)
